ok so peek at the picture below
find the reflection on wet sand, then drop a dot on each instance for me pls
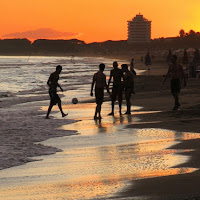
(101, 160)
(85, 188)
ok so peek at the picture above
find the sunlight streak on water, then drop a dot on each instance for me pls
(103, 158)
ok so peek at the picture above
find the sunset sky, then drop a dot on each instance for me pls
(94, 20)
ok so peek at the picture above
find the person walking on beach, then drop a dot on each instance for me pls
(99, 80)
(117, 89)
(176, 73)
(128, 80)
(54, 98)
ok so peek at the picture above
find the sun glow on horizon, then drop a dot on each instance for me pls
(96, 21)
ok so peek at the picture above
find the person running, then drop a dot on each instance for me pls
(176, 73)
(54, 98)
(128, 80)
(99, 80)
(117, 75)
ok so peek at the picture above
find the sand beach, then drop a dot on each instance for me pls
(151, 154)
(186, 120)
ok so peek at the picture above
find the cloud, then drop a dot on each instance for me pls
(42, 33)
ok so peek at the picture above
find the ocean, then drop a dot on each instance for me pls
(30, 74)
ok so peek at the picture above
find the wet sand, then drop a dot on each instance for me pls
(152, 154)
(98, 162)
(22, 124)
(185, 120)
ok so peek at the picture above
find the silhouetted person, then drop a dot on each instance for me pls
(132, 64)
(176, 73)
(132, 69)
(117, 89)
(148, 60)
(53, 84)
(128, 78)
(99, 80)
(185, 57)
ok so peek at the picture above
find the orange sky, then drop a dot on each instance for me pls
(96, 20)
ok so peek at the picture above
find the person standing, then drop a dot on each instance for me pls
(99, 80)
(132, 69)
(147, 60)
(176, 72)
(54, 98)
(117, 88)
(128, 82)
(132, 66)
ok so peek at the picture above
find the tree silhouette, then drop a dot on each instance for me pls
(182, 33)
(192, 34)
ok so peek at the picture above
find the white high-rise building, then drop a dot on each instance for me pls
(139, 30)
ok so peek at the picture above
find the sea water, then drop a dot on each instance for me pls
(23, 73)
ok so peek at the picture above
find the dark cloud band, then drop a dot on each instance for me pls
(43, 33)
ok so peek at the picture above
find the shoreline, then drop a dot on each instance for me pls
(148, 92)
(21, 124)
(186, 119)
(22, 130)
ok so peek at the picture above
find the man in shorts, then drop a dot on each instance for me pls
(54, 98)
(128, 83)
(117, 75)
(99, 80)
(176, 73)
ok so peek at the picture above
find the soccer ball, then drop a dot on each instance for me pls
(74, 100)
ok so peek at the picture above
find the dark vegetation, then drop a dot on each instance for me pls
(80, 48)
